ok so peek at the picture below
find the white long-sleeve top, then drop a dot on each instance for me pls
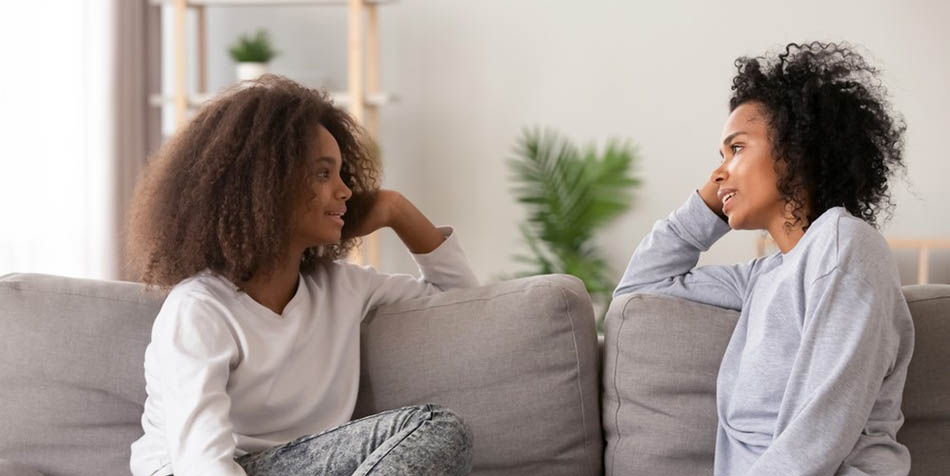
(811, 381)
(226, 376)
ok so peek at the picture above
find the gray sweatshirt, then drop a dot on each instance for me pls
(811, 381)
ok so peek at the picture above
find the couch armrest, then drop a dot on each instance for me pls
(516, 360)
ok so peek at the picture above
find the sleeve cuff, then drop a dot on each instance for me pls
(446, 247)
(446, 263)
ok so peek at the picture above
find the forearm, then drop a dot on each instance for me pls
(665, 260)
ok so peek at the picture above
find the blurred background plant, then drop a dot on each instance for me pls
(570, 194)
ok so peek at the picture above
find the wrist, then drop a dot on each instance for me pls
(398, 207)
(710, 195)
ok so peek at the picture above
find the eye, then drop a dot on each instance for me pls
(323, 173)
(735, 148)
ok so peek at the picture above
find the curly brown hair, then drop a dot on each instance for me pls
(837, 140)
(220, 194)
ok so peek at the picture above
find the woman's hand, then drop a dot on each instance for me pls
(372, 212)
(389, 208)
(710, 194)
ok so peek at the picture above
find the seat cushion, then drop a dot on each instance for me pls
(517, 361)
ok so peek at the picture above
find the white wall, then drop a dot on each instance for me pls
(471, 75)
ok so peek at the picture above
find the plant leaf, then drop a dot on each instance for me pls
(569, 193)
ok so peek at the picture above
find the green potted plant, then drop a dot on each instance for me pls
(252, 53)
(570, 194)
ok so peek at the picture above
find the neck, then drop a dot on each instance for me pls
(275, 289)
(786, 237)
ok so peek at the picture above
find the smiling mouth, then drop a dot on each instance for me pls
(728, 197)
(337, 217)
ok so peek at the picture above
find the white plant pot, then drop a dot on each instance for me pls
(250, 70)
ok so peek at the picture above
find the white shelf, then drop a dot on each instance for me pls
(339, 98)
(263, 3)
(371, 99)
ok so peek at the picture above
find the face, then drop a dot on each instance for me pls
(747, 178)
(319, 216)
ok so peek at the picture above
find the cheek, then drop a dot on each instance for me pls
(762, 177)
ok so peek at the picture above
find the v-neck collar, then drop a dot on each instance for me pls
(259, 308)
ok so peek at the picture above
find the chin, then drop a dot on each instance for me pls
(325, 240)
(735, 223)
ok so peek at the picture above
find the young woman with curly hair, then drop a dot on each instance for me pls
(811, 381)
(253, 366)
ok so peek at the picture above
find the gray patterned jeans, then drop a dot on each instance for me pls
(420, 441)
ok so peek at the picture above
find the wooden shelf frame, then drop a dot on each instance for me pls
(923, 247)
(265, 3)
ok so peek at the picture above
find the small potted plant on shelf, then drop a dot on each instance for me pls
(252, 53)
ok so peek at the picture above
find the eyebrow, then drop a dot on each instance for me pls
(732, 136)
(729, 138)
(326, 159)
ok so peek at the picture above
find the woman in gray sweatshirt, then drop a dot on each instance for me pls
(811, 381)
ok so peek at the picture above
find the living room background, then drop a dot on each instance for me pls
(470, 75)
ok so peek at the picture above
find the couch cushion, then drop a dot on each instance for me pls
(517, 360)
(661, 358)
(10, 468)
(71, 375)
(926, 404)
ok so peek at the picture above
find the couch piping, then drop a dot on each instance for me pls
(381, 311)
(577, 366)
(67, 293)
(935, 298)
(616, 359)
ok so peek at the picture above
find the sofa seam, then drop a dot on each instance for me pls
(65, 293)
(935, 298)
(580, 387)
(516, 291)
(623, 320)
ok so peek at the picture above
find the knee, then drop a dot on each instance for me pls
(452, 421)
(455, 433)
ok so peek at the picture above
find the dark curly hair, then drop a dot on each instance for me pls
(220, 194)
(835, 138)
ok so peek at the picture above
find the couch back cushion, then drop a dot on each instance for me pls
(517, 360)
(71, 372)
(926, 404)
(661, 358)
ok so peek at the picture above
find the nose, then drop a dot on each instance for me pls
(343, 192)
(720, 174)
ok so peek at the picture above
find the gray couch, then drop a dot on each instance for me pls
(518, 360)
